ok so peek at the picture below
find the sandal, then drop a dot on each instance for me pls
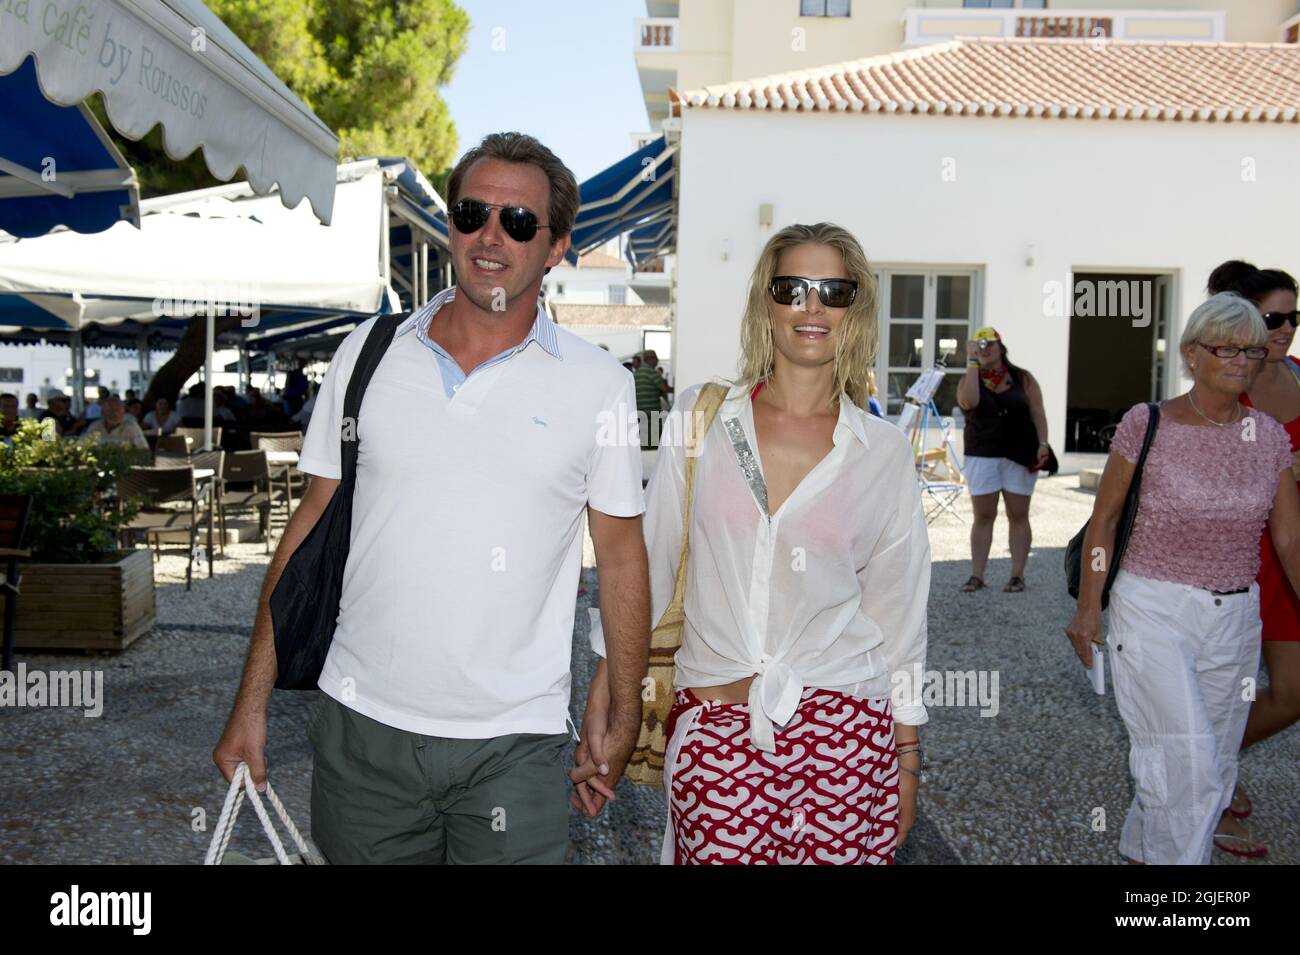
(1015, 585)
(972, 584)
(1240, 794)
(1233, 846)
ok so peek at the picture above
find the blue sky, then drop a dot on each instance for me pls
(561, 70)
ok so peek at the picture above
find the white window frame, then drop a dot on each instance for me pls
(929, 320)
(848, 11)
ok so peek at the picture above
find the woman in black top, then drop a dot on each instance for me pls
(1005, 444)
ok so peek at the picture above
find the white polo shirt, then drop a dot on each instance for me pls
(457, 612)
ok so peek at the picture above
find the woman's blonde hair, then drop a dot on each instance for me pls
(855, 348)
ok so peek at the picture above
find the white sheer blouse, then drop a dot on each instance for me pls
(828, 592)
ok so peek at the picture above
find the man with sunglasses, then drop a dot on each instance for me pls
(441, 727)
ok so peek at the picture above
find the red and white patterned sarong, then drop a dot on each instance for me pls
(828, 794)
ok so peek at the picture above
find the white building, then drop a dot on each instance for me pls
(1000, 182)
(42, 368)
(601, 277)
(625, 330)
(602, 300)
(688, 44)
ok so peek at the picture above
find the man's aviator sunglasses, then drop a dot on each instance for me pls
(834, 293)
(470, 215)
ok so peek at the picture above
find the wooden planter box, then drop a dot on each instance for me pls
(85, 606)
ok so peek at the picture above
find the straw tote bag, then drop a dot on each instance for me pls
(646, 765)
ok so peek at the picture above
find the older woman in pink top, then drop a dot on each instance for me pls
(1184, 630)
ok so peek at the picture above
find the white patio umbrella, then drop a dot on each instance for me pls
(219, 245)
(173, 62)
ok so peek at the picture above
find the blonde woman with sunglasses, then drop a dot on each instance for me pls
(794, 737)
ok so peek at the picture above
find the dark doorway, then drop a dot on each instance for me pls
(1117, 337)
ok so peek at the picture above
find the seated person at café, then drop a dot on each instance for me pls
(162, 419)
(33, 409)
(221, 407)
(66, 425)
(8, 415)
(191, 406)
(134, 409)
(96, 407)
(114, 426)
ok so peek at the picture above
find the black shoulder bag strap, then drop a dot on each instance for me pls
(372, 353)
(305, 601)
(1131, 500)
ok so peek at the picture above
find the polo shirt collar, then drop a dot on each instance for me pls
(543, 331)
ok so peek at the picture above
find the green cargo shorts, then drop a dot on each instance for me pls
(384, 795)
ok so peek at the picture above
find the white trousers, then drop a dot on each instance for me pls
(1184, 662)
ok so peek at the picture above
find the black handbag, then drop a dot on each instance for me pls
(305, 601)
(1074, 550)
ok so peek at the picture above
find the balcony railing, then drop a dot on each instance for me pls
(656, 35)
(1069, 27)
(939, 25)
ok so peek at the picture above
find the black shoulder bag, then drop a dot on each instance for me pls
(1074, 551)
(305, 602)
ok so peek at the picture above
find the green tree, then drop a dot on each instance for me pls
(372, 70)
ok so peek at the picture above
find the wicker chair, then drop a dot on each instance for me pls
(196, 436)
(173, 444)
(287, 473)
(214, 461)
(163, 494)
(248, 470)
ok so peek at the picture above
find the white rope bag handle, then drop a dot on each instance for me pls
(239, 784)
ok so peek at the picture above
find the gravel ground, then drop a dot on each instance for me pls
(1023, 786)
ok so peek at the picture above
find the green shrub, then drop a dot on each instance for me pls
(73, 518)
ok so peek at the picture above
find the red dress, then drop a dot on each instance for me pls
(1279, 607)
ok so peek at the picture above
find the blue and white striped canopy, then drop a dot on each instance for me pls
(57, 165)
(633, 193)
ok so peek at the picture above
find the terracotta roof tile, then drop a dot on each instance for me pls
(1050, 78)
(599, 260)
(611, 316)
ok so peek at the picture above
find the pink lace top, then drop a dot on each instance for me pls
(1206, 494)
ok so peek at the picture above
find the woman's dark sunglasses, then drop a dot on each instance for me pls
(1275, 320)
(470, 215)
(834, 293)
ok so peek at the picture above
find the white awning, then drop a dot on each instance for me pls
(172, 62)
(222, 243)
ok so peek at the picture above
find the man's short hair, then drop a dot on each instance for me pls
(522, 148)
